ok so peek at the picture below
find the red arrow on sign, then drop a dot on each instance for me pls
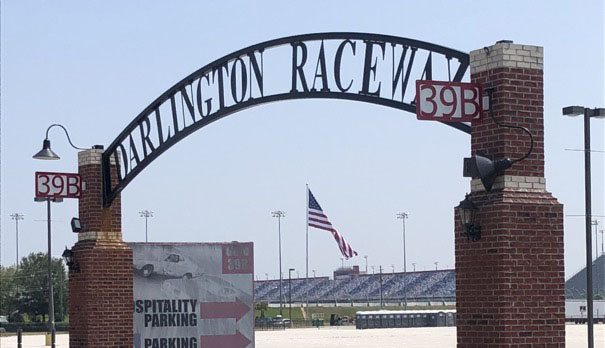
(213, 310)
(225, 341)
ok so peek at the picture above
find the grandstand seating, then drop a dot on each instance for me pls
(421, 285)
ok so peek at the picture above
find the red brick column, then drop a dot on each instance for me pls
(510, 283)
(101, 294)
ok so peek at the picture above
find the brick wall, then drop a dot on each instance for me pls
(516, 76)
(101, 294)
(510, 283)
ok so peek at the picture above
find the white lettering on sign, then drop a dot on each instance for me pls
(58, 185)
(448, 101)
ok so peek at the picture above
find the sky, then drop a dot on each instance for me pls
(93, 66)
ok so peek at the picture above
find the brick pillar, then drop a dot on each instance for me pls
(101, 294)
(510, 283)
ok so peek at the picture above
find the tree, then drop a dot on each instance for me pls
(31, 286)
(7, 290)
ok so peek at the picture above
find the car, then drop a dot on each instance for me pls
(173, 265)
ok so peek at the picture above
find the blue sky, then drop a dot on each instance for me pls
(93, 66)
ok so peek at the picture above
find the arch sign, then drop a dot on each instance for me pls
(371, 68)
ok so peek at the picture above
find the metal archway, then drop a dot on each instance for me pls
(237, 81)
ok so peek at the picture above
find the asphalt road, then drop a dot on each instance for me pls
(328, 337)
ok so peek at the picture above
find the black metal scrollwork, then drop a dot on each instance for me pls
(363, 67)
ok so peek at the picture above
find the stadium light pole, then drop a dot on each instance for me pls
(366, 257)
(146, 214)
(403, 215)
(17, 217)
(587, 113)
(279, 214)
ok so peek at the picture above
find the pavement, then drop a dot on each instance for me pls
(337, 337)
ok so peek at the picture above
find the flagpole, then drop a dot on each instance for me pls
(307, 237)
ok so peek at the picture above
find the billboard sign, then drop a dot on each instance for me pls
(448, 101)
(193, 295)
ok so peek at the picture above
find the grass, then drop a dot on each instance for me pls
(340, 311)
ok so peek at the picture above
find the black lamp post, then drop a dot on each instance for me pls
(466, 212)
(290, 293)
(48, 154)
(588, 113)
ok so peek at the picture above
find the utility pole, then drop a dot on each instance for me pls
(17, 217)
(146, 214)
(279, 214)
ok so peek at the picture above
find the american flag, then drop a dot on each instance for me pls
(316, 218)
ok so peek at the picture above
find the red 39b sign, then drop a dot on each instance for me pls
(58, 185)
(448, 101)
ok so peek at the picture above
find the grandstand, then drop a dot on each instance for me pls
(575, 286)
(421, 286)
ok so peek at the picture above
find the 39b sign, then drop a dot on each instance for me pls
(448, 101)
(58, 185)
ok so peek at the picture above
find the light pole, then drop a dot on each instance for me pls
(403, 216)
(48, 154)
(380, 286)
(595, 223)
(602, 249)
(279, 214)
(17, 217)
(366, 257)
(393, 268)
(313, 274)
(146, 214)
(436, 264)
(267, 275)
(290, 294)
(588, 113)
(414, 265)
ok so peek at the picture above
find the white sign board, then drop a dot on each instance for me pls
(448, 101)
(58, 185)
(193, 295)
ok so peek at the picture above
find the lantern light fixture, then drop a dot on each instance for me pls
(466, 212)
